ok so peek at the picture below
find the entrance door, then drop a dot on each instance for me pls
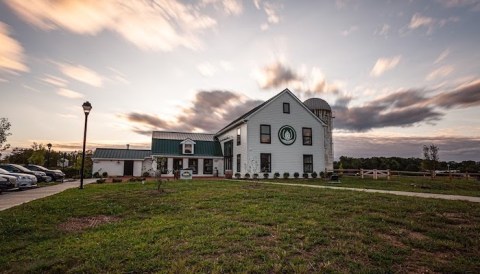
(177, 163)
(128, 168)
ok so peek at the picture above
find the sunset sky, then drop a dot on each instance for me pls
(398, 74)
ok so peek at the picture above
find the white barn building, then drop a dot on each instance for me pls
(281, 135)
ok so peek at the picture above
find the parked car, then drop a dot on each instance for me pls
(22, 180)
(55, 175)
(8, 182)
(13, 168)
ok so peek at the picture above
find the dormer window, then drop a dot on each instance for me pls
(188, 146)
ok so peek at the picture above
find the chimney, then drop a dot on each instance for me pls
(128, 146)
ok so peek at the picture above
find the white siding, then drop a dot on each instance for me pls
(112, 167)
(137, 168)
(286, 158)
(241, 149)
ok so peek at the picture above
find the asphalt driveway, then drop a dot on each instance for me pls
(11, 199)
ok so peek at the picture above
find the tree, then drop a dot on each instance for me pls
(430, 161)
(38, 154)
(4, 133)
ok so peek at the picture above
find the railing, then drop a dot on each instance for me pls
(379, 173)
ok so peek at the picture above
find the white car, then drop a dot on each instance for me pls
(23, 180)
(8, 182)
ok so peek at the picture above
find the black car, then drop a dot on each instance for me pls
(41, 176)
(7, 182)
(56, 175)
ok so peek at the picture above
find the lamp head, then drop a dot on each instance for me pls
(87, 107)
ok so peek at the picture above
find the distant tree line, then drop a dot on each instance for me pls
(403, 164)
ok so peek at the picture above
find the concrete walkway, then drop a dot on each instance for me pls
(400, 193)
(11, 199)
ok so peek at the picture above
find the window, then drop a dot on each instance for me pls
(239, 163)
(188, 149)
(265, 136)
(286, 107)
(307, 163)
(208, 166)
(239, 141)
(228, 155)
(307, 136)
(266, 162)
(193, 164)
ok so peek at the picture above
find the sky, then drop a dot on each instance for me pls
(398, 74)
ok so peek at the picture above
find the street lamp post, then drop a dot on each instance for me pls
(87, 107)
(48, 156)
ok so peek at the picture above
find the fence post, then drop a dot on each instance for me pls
(388, 174)
(374, 174)
(361, 172)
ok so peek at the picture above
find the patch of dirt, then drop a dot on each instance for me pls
(79, 224)
(252, 186)
(416, 235)
(393, 240)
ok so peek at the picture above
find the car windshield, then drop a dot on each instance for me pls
(22, 168)
(39, 168)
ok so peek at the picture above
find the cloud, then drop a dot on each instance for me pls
(81, 74)
(473, 5)
(306, 82)
(440, 72)
(464, 96)
(230, 7)
(419, 20)
(149, 25)
(403, 108)
(69, 93)
(206, 69)
(271, 9)
(349, 31)
(55, 81)
(11, 52)
(384, 64)
(450, 148)
(383, 31)
(442, 56)
(210, 111)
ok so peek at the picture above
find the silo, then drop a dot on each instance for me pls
(323, 111)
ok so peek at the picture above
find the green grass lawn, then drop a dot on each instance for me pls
(222, 226)
(413, 184)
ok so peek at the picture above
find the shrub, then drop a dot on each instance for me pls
(305, 175)
(116, 180)
(296, 175)
(322, 174)
(247, 176)
(146, 174)
(255, 176)
(238, 175)
(100, 181)
(105, 174)
(286, 175)
(265, 175)
(276, 175)
(96, 174)
(314, 175)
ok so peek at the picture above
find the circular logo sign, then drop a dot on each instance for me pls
(287, 135)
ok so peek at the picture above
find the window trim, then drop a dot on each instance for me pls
(269, 162)
(311, 136)
(304, 163)
(269, 134)
(239, 136)
(288, 106)
(239, 162)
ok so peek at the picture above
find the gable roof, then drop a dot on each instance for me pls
(121, 154)
(250, 113)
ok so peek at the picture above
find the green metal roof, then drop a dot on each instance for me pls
(127, 154)
(173, 147)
